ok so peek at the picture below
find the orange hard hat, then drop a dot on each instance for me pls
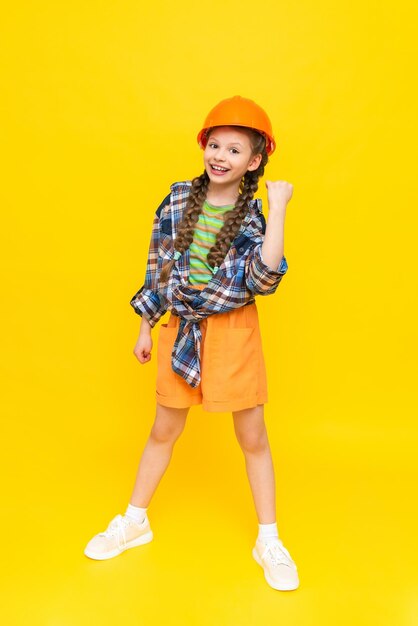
(238, 111)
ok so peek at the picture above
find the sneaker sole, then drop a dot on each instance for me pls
(146, 538)
(275, 585)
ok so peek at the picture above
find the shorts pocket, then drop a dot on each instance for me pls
(233, 360)
(166, 377)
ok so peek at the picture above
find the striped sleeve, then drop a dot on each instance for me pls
(146, 301)
(260, 278)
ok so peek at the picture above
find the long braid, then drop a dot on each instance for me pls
(186, 227)
(232, 219)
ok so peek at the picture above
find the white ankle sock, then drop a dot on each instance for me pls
(268, 532)
(136, 513)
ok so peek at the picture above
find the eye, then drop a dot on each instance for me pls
(211, 145)
(235, 150)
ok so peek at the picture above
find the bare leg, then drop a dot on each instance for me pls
(251, 433)
(168, 425)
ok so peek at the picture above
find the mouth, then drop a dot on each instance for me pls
(217, 169)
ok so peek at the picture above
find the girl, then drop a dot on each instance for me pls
(211, 253)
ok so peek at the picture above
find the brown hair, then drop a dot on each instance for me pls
(232, 219)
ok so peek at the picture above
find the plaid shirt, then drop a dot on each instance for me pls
(241, 275)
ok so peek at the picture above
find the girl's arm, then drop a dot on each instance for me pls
(146, 302)
(279, 194)
(266, 264)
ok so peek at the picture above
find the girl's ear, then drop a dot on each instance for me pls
(255, 162)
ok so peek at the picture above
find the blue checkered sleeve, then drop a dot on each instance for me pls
(260, 278)
(147, 302)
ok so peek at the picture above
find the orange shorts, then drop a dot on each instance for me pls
(233, 372)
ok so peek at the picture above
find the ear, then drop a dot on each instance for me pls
(255, 162)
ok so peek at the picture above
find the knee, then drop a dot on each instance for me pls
(253, 440)
(166, 432)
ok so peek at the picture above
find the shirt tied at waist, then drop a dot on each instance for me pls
(185, 358)
(191, 307)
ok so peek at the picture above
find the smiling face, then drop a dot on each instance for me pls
(228, 155)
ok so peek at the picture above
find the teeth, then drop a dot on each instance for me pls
(221, 169)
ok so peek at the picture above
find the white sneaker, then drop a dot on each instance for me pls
(280, 570)
(121, 534)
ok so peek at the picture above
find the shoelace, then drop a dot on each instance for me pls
(276, 553)
(116, 529)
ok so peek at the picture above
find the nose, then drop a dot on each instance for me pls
(219, 156)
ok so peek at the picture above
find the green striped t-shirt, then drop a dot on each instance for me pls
(208, 225)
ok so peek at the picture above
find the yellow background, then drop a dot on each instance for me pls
(101, 105)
